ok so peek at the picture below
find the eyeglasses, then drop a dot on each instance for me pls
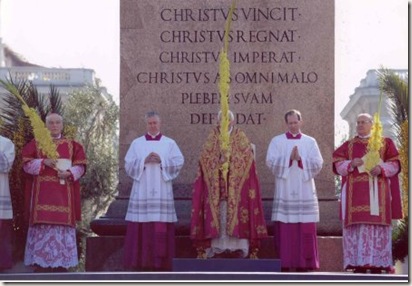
(363, 122)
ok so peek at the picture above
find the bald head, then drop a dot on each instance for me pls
(364, 123)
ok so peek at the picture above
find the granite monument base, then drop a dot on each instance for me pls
(105, 251)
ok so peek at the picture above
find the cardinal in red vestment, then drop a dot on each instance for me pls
(227, 214)
(53, 200)
(367, 235)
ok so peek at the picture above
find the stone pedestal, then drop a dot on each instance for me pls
(105, 251)
(281, 57)
(330, 253)
(112, 223)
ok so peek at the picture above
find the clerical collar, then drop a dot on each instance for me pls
(293, 136)
(364, 137)
(156, 137)
(57, 137)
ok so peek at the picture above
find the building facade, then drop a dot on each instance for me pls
(65, 80)
(366, 99)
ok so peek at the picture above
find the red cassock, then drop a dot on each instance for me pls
(245, 217)
(357, 185)
(47, 200)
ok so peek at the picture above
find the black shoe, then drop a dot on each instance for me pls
(376, 270)
(359, 270)
(39, 269)
(60, 269)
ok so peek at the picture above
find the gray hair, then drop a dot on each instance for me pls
(367, 115)
(151, 114)
(54, 114)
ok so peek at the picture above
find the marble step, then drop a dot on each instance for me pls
(226, 265)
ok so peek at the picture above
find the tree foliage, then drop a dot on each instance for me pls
(397, 90)
(16, 126)
(95, 117)
(90, 117)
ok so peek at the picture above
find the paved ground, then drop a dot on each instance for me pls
(18, 268)
(201, 277)
(23, 273)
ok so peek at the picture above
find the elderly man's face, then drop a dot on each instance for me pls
(55, 125)
(363, 125)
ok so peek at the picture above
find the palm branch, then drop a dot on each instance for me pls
(16, 126)
(400, 240)
(397, 90)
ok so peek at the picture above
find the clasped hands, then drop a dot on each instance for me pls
(153, 158)
(50, 163)
(295, 154)
(62, 174)
(356, 162)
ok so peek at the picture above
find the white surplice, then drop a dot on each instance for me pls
(295, 198)
(151, 197)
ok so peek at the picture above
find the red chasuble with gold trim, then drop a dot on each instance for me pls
(51, 201)
(245, 217)
(357, 185)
